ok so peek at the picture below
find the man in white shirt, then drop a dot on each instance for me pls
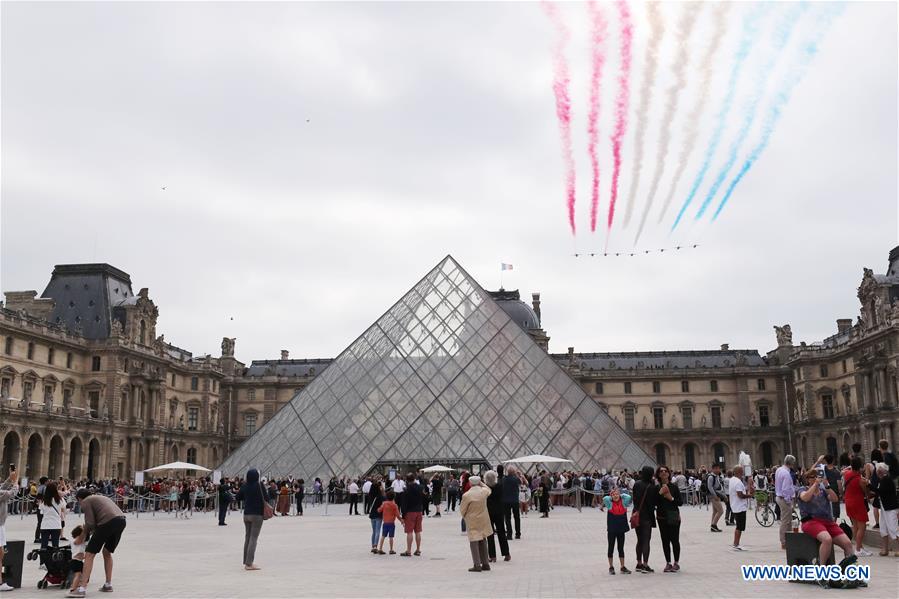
(366, 499)
(739, 503)
(399, 487)
(353, 491)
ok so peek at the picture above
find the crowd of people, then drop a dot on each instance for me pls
(492, 504)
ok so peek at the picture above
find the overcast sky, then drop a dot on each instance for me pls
(318, 159)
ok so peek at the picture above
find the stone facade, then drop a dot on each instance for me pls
(85, 394)
(91, 391)
(845, 387)
(691, 408)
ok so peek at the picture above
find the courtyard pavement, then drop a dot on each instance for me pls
(328, 556)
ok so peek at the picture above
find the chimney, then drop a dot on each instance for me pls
(535, 297)
(285, 354)
(843, 325)
(725, 346)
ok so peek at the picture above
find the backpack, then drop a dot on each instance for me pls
(890, 459)
(704, 486)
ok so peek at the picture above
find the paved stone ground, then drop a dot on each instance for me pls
(328, 556)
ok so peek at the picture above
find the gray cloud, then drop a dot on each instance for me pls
(431, 131)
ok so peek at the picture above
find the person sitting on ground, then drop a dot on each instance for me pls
(817, 520)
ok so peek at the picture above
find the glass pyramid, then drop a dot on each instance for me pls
(444, 376)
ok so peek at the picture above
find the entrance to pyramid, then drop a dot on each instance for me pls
(447, 377)
(390, 469)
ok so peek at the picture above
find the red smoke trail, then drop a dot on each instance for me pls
(563, 103)
(597, 39)
(622, 102)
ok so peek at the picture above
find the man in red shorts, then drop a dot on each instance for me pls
(816, 515)
(413, 505)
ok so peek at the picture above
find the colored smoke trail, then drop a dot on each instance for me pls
(561, 82)
(782, 33)
(622, 101)
(679, 68)
(657, 28)
(691, 128)
(597, 51)
(748, 35)
(809, 49)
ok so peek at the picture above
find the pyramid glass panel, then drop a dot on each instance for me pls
(444, 376)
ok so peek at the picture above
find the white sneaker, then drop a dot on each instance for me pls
(739, 548)
(5, 587)
(863, 553)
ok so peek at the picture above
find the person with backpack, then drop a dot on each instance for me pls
(713, 487)
(452, 493)
(643, 517)
(889, 458)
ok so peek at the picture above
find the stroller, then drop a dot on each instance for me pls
(58, 562)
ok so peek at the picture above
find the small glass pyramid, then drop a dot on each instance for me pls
(444, 376)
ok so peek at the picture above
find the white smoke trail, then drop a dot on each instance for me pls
(679, 68)
(691, 127)
(657, 27)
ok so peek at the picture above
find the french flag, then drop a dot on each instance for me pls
(506, 266)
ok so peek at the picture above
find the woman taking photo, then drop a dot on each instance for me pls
(855, 491)
(645, 494)
(668, 516)
(254, 496)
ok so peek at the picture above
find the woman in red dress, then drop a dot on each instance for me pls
(856, 489)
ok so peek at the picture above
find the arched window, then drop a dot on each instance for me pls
(719, 453)
(192, 455)
(689, 456)
(661, 458)
(831, 443)
(767, 454)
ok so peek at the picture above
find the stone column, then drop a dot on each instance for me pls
(45, 459)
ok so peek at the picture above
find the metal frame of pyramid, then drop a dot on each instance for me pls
(445, 375)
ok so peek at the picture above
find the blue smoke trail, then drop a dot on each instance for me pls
(809, 49)
(748, 34)
(782, 33)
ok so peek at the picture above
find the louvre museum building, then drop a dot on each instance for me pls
(449, 374)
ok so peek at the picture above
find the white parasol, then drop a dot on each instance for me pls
(178, 466)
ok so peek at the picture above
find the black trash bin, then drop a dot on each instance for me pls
(13, 561)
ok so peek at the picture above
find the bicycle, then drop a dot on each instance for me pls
(764, 513)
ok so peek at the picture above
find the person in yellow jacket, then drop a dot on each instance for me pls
(477, 522)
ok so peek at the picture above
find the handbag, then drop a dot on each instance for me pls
(267, 511)
(635, 515)
(846, 529)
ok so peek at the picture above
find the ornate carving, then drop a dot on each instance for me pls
(117, 330)
(228, 346)
(784, 335)
(703, 422)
